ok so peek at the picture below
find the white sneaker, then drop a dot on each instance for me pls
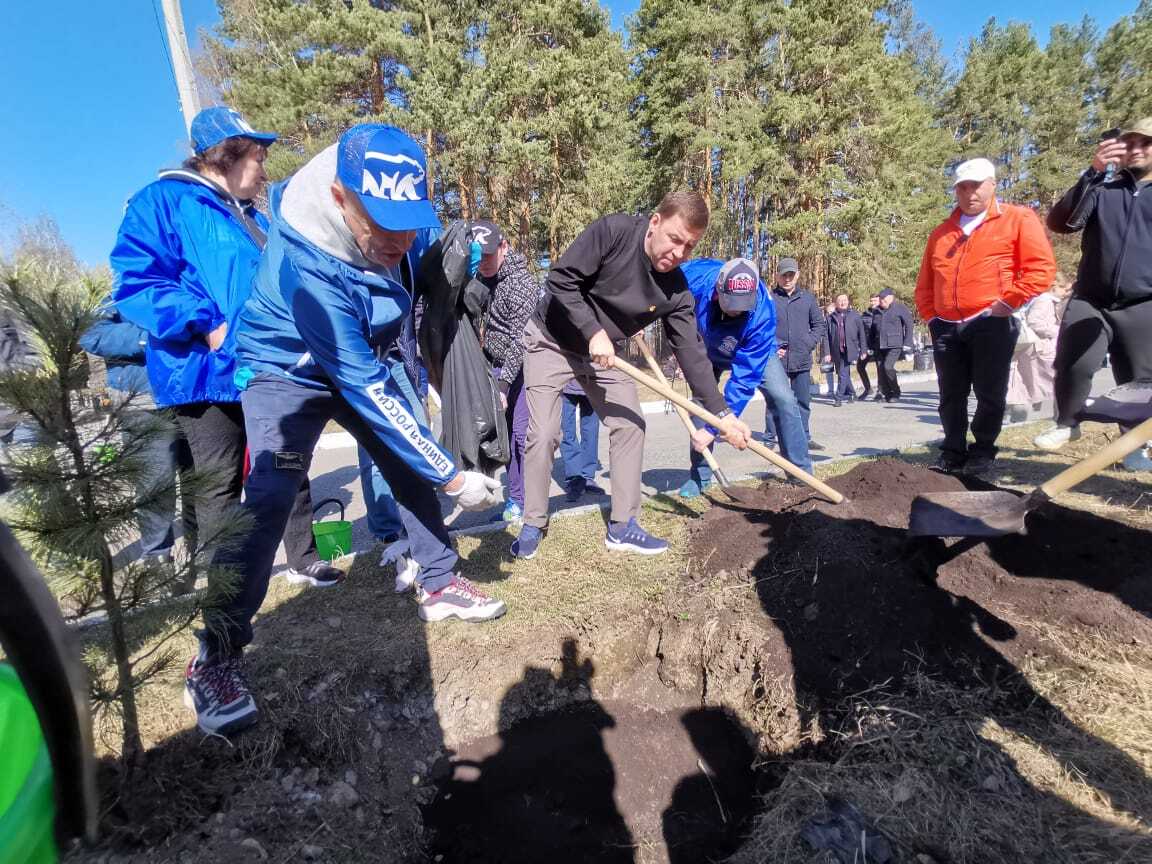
(1138, 460)
(406, 571)
(459, 599)
(1056, 437)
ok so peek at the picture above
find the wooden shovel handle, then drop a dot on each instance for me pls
(709, 457)
(712, 420)
(1118, 449)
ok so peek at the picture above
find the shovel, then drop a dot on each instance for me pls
(711, 419)
(994, 514)
(709, 457)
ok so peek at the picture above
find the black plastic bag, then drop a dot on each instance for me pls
(475, 431)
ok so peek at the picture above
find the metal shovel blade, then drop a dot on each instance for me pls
(968, 514)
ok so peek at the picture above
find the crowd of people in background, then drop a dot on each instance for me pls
(254, 330)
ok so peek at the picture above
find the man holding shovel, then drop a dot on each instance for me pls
(737, 321)
(620, 275)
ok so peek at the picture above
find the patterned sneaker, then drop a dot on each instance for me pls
(319, 574)
(632, 538)
(526, 545)
(219, 695)
(459, 599)
(406, 572)
(1056, 437)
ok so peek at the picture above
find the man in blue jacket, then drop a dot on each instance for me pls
(334, 286)
(799, 329)
(737, 321)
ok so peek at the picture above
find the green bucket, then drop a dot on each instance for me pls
(27, 809)
(334, 537)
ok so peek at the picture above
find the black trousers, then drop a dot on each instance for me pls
(973, 356)
(862, 371)
(1087, 334)
(886, 372)
(216, 441)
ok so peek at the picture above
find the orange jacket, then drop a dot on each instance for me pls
(1008, 257)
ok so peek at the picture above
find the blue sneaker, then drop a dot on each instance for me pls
(527, 543)
(513, 513)
(219, 695)
(693, 488)
(632, 538)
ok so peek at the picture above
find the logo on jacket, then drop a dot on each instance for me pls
(393, 176)
(403, 422)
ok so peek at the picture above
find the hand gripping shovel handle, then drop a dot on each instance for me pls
(712, 420)
(709, 457)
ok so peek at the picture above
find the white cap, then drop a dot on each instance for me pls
(975, 169)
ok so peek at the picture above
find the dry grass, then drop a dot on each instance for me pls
(949, 775)
(931, 771)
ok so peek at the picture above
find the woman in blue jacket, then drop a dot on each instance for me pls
(184, 261)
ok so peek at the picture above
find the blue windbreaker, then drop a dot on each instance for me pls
(184, 264)
(121, 344)
(741, 343)
(318, 321)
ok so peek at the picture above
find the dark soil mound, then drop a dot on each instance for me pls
(593, 782)
(859, 602)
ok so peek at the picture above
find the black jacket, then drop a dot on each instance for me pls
(867, 316)
(799, 326)
(604, 281)
(1116, 249)
(855, 336)
(892, 327)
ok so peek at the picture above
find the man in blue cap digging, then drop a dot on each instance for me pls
(333, 288)
(737, 321)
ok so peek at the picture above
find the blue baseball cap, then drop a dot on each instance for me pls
(388, 174)
(213, 125)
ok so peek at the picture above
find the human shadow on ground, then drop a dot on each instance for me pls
(544, 789)
(570, 780)
(859, 608)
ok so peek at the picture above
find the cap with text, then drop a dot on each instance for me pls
(974, 170)
(736, 286)
(213, 126)
(388, 174)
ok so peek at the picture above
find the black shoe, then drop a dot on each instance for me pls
(946, 463)
(591, 488)
(978, 466)
(879, 397)
(892, 399)
(812, 445)
(575, 487)
(865, 395)
(837, 403)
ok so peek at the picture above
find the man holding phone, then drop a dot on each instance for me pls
(1110, 311)
(982, 263)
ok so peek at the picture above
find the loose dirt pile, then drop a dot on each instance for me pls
(859, 602)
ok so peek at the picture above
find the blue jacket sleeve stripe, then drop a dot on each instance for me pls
(332, 331)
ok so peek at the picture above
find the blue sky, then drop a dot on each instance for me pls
(90, 109)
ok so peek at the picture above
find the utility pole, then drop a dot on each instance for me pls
(181, 60)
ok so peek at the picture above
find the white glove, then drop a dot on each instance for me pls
(478, 491)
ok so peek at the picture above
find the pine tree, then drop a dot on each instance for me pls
(80, 475)
(1124, 64)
